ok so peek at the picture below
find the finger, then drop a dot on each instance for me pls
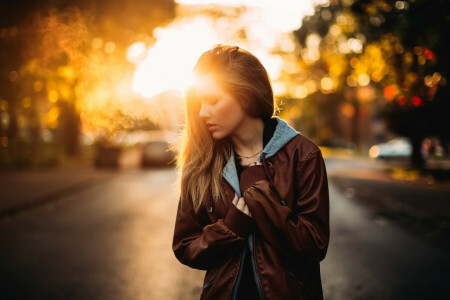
(235, 199)
(240, 204)
(246, 210)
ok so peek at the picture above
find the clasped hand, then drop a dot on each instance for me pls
(240, 202)
(241, 205)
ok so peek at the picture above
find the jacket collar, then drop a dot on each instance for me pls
(282, 135)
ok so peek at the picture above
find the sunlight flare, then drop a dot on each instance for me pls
(169, 61)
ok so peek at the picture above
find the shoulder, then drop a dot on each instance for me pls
(302, 147)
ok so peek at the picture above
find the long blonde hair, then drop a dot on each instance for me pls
(201, 158)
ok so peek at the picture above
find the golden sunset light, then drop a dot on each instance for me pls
(168, 62)
(206, 149)
(282, 15)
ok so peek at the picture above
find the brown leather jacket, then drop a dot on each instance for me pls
(288, 235)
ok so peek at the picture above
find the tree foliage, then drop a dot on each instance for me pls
(398, 47)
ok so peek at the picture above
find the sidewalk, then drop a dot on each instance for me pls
(20, 190)
(436, 174)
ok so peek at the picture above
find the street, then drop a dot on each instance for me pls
(370, 257)
(113, 241)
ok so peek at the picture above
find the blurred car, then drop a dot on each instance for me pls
(432, 148)
(107, 156)
(396, 148)
(157, 153)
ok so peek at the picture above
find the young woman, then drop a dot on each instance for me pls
(254, 208)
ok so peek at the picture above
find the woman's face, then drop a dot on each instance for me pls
(220, 110)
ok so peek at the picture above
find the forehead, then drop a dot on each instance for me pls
(207, 85)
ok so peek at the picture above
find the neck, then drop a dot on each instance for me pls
(247, 139)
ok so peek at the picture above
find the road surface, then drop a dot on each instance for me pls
(113, 241)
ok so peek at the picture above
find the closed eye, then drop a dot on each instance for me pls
(211, 99)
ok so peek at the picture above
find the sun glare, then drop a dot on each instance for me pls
(169, 62)
(283, 15)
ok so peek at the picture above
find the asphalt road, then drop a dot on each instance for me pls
(113, 241)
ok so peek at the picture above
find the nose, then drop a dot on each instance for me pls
(203, 112)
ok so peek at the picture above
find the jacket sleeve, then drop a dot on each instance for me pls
(200, 244)
(303, 228)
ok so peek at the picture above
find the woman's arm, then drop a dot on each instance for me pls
(201, 245)
(303, 231)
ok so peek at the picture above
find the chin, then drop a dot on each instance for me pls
(218, 136)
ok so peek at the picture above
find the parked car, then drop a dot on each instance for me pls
(157, 153)
(432, 148)
(396, 148)
(107, 156)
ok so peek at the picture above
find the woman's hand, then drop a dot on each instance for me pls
(241, 205)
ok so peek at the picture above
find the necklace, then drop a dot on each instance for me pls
(249, 156)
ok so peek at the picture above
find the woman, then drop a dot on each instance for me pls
(253, 210)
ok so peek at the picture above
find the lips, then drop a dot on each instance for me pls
(211, 126)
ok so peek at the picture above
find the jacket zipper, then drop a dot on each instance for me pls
(251, 239)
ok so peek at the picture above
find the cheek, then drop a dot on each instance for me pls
(230, 114)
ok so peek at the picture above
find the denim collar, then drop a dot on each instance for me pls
(282, 135)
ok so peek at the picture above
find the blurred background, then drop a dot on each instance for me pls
(91, 99)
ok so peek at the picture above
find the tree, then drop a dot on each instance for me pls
(57, 57)
(397, 46)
